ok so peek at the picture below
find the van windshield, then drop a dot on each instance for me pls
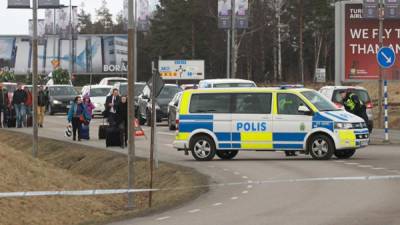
(320, 102)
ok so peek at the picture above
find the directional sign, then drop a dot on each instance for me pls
(181, 69)
(386, 57)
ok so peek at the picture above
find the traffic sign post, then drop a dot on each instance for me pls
(386, 58)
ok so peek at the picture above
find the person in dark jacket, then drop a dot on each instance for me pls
(43, 101)
(354, 105)
(122, 118)
(77, 115)
(111, 107)
(18, 101)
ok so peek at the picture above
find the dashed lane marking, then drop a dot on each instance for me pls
(249, 186)
(245, 177)
(365, 166)
(236, 173)
(194, 211)
(217, 204)
(378, 168)
(163, 218)
(352, 163)
(235, 198)
(245, 192)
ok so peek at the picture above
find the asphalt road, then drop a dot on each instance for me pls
(268, 188)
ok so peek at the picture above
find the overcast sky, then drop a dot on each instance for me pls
(15, 21)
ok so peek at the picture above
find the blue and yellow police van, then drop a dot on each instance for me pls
(223, 122)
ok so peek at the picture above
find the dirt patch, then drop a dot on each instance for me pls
(65, 166)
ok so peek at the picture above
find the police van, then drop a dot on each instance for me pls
(223, 122)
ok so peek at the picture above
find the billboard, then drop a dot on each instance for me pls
(19, 4)
(181, 69)
(242, 14)
(357, 44)
(92, 54)
(45, 4)
(224, 14)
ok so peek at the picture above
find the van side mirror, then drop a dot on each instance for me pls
(304, 110)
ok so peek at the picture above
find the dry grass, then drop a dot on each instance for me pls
(64, 166)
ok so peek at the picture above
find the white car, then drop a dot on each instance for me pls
(113, 80)
(227, 83)
(333, 94)
(98, 95)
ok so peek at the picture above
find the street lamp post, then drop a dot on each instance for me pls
(34, 78)
(131, 100)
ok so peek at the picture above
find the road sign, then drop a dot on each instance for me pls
(392, 9)
(320, 75)
(386, 57)
(181, 69)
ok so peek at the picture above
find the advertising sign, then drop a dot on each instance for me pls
(144, 15)
(320, 75)
(7, 53)
(224, 14)
(181, 69)
(242, 14)
(19, 4)
(357, 44)
(46, 4)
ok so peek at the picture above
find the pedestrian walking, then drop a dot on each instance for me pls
(89, 105)
(77, 115)
(111, 106)
(18, 101)
(122, 115)
(28, 108)
(43, 101)
(2, 106)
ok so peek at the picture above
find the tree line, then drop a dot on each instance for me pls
(188, 29)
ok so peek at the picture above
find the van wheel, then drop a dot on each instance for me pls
(227, 155)
(203, 148)
(345, 154)
(321, 147)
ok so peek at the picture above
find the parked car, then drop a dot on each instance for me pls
(60, 98)
(333, 94)
(173, 110)
(113, 80)
(189, 86)
(226, 83)
(123, 88)
(98, 95)
(162, 101)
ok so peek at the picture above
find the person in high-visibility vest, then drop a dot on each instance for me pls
(354, 105)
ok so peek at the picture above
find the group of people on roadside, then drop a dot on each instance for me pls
(80, 114)
(116, 111)
(16, 111)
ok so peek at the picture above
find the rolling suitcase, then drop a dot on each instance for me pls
(103, 131)
(10, 119)
(113, 137)
(29, 121)
(85, 134)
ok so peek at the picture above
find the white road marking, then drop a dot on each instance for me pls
(352, 163)
(339, 161)
(245, 177)
(249, 186)
(169, 145)
(194, 211)
(163, 218)
(245, 192)
(250, 181)
(365, 166)
(235, 198)
(393, 171)
(236, 173)
(166, 133)
(217, 204)
(226, 170)
(211, 166)
(378, 168)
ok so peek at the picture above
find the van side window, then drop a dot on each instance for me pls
(253, 103)
(288, 104)
(210, 103)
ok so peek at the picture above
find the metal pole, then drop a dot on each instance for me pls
(131, 101)
(233, 44)
(385, 88)
(136, 39)
(279, 41)
(71, 48)
(34, 79)
(153, 134)
(228, 54)
(380, 68)
(54, 32)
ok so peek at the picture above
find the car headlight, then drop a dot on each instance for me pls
(56, 102)
(343, 126)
